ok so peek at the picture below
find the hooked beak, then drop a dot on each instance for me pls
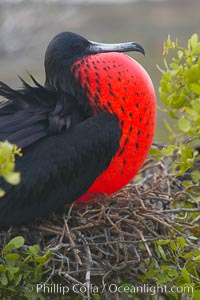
(95, 48)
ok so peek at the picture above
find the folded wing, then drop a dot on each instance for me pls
(58, 169)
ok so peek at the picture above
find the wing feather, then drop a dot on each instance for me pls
(59, 169)
(34, 112)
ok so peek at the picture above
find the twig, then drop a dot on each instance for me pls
(74, 248)
(181, 210)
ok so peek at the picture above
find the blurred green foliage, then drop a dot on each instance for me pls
(178, 260)
(7, 163)
(180, 86)
(180, 93)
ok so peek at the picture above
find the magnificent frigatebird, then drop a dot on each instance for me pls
(88, 130)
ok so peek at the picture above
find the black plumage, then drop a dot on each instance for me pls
(35, 112)
(65, 145)
(63, 151)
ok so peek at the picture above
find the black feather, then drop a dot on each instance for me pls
(34, 112)
(59, 169)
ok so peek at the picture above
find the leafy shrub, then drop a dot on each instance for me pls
(178, 259)
(180, 93)
(175, 267)
(20, 269)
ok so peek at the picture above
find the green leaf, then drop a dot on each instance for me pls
(43, 259)
(172, 272)
(13, 178)
(173, 246)
(162, 278)
(7, 248)
(195, 88)
(194, 39)
(172, 115)
(192, 74)
(169, 43)
(162, 242)
(162, 252)
(180, 54)
(13, 269)
(196, 49)
(192, 113)
(155, 152)
(181, 241)
(196, 176)
(2, 269)
(163, 96)
(174, 66)
(184, 124)
(4, 279)
(185, 275)
(179, 101)
(17, 241)
(12, 256)
(35, 249)
(18, 279)
(10, 274)
(2, 192)
(38, 273)
(169, 150)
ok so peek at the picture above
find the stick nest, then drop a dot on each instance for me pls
(114, 237)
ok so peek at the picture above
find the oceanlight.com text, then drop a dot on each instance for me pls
(112, 288)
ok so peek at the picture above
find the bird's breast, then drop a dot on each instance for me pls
(116, 83)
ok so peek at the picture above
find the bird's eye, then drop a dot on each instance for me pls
(77, 46)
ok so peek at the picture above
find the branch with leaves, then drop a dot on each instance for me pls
(7, 164)
(180, 93)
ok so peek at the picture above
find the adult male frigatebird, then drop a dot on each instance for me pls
(88, 130)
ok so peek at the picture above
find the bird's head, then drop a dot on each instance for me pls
(67, 47)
